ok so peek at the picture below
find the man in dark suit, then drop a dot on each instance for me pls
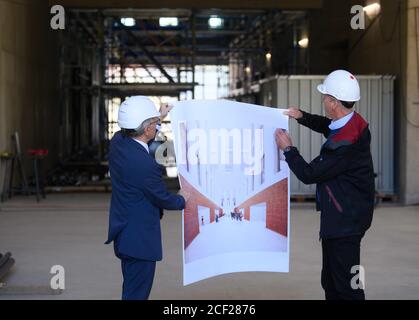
(138, 197)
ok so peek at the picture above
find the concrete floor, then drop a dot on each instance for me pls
(69, 230)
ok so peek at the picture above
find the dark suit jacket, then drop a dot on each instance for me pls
(138, 196)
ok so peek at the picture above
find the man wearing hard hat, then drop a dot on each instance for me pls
(138, 195)
(344, 176)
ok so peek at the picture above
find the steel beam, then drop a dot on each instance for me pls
(146, 52)
(186, 4)
(162, 89)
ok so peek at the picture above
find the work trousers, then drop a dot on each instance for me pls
(339, 257)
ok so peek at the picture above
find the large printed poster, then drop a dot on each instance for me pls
(237, 217)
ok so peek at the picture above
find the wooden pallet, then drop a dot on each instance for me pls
(311, 198)
(386, 197)
(303, 198)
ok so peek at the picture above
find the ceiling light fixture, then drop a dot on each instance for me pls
(215, 22)
(128, 22)
(168, 22)
(303, 43)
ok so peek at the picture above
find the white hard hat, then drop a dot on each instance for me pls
(342, 85)
(134, 111)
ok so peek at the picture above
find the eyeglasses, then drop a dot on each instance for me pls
(157, 122)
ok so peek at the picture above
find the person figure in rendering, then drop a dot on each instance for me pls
(344, 176)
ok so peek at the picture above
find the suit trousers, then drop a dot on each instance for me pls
(339, 257)
(138, 276)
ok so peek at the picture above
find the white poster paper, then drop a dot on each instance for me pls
(237, 218)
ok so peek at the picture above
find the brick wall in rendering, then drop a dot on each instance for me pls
(191, 223)
(276, 201)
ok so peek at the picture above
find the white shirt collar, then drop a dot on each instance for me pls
(340, 123)
(142, 143)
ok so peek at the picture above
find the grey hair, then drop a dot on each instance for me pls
(139, 131)
(345, 104)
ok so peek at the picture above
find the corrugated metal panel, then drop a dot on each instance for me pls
(376, 106)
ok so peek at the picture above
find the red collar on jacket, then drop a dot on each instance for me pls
(351, 131)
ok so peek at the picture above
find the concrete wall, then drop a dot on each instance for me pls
(376, 50)
(379, 50)
(388, 45)
(28, 78)
(409, 168)
(334, 44)
(328, 34)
